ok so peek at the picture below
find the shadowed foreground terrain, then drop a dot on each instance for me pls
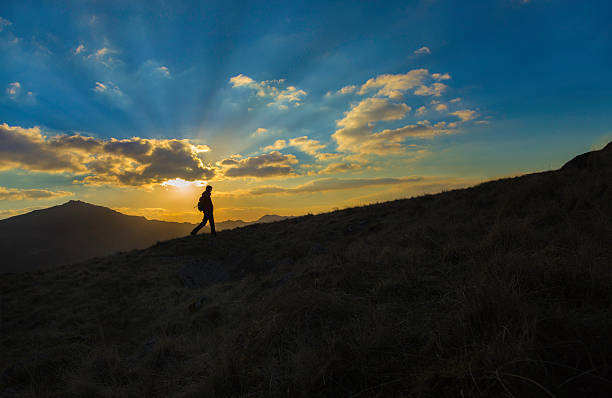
(503, 289)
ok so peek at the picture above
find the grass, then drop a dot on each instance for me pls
(502, 289)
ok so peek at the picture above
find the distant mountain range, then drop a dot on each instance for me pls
(76, 231)
(231, 224)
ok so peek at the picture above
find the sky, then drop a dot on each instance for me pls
(291, 107)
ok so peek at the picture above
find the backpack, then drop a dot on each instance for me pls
(200, 204)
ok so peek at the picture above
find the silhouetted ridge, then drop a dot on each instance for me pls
(271, 218)
(591, 160)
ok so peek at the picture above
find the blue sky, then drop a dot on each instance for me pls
(311, 103)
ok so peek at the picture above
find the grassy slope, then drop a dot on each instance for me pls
(503, 289)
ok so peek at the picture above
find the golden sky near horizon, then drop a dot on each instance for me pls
(296, 108)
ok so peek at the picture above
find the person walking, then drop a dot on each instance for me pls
(205, 205)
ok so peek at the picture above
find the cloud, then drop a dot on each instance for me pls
(304, 144)
(392, 85)
(112, 93)
(327, 156)
(389, 141)
(154, 69)
(357, 125)
(30, 194)
(409, 184)
(455, 100)
(103, 52)
(371, 110)
(328, 184)
(278, 144)
(13, 90)
(436, 90)
(347, 90)
(343, 91)
(259, 131)
(356, 133)
(440, 76)
(105, 56)
(273, 164)
(100, 88)
(465, 114)
(422, 50)
(334, 168)
(3, 23)
(126, 162)
(271, 90)
(15, 212)
(80, 48)
(242, 81)
(163, 71)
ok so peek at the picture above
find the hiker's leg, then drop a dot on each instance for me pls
(212, 224)
(200, 226)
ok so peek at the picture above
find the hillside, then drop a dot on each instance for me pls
(500, 290)
(76, 231)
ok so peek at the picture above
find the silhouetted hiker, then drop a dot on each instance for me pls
(205, 205)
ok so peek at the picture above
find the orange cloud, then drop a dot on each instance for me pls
(273, 164)
(465, 114)
(392, 85)
(326, 185)
(30, 194)
(128, 162)
(436, 90)
(304, 144)
(334, 168)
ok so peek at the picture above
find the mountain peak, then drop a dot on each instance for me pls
(76, 202)
(270, 218)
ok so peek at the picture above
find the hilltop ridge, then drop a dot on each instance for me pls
(502, 289)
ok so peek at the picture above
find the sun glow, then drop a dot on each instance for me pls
(182, 184)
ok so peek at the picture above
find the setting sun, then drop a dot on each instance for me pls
(180, 183)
